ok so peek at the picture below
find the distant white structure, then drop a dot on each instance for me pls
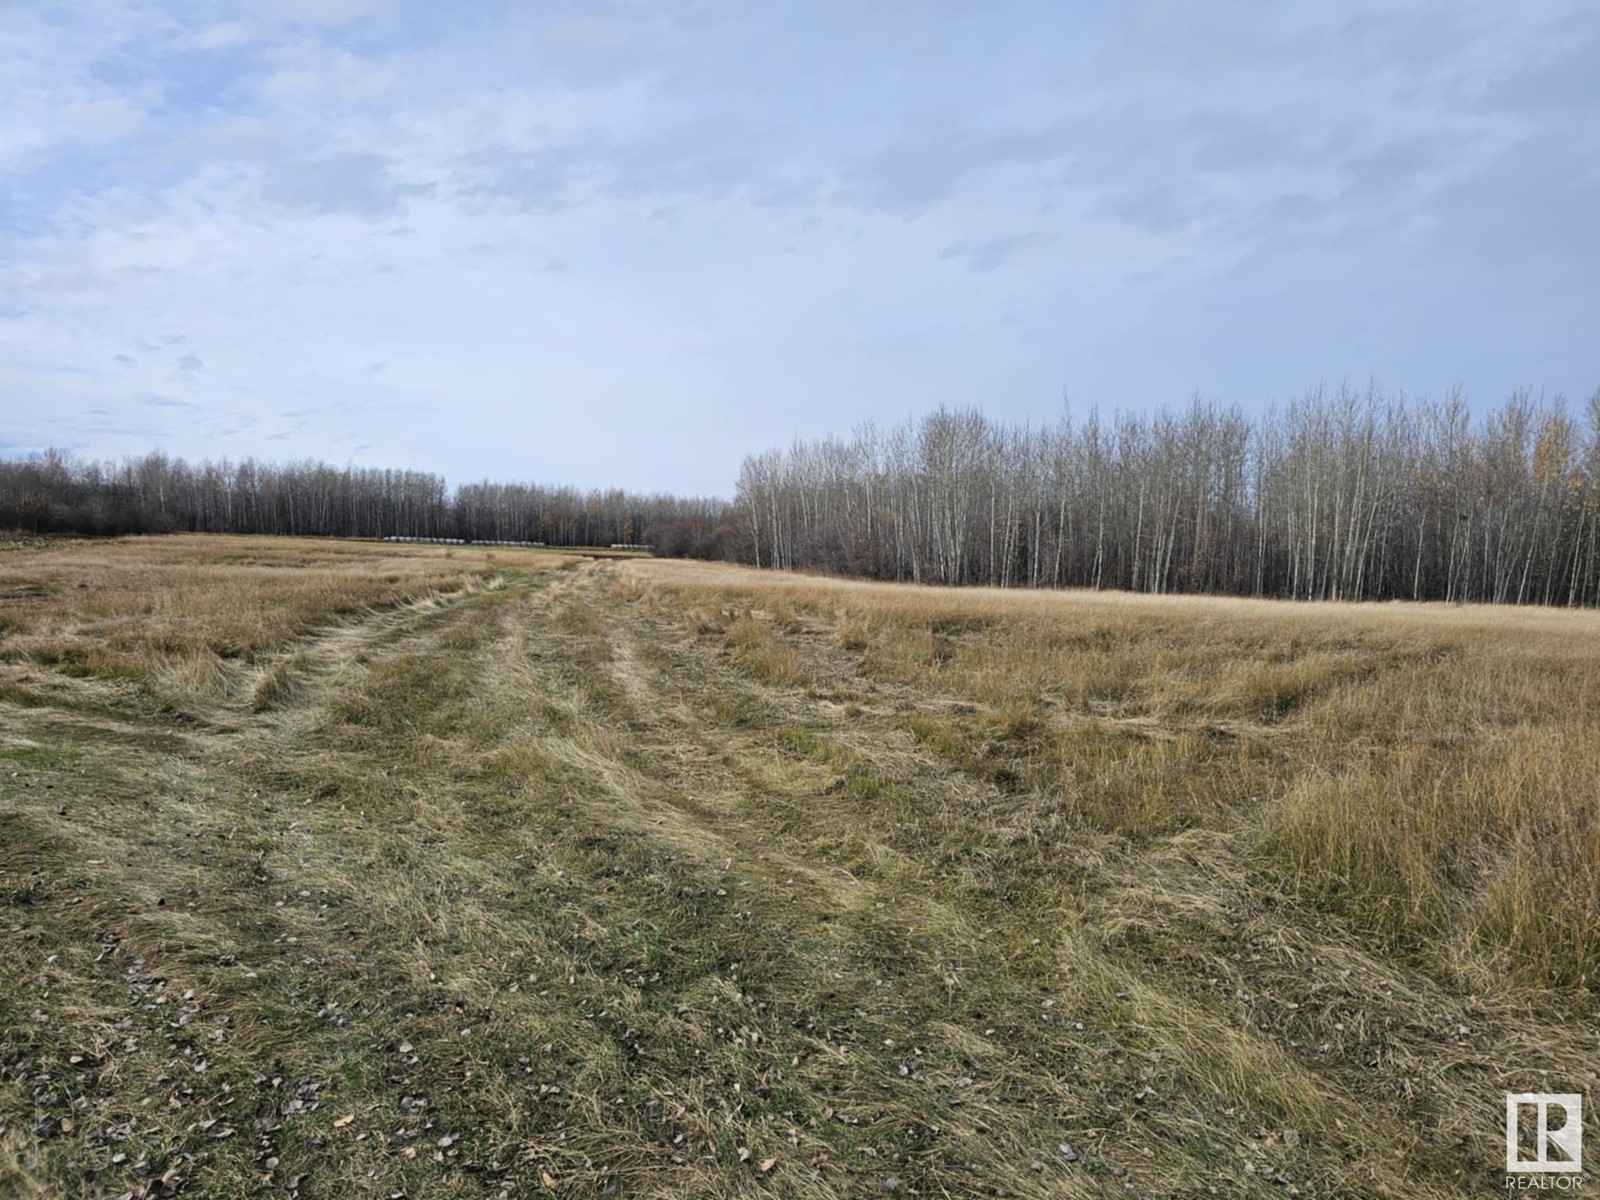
(629, 546)
(442, 541)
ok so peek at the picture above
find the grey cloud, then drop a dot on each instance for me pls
(1382, 171)
(236, 140)
(613, 41)
(1336, 165)
(992, 254)
(1164, 38)
(1523, 210)
(1141, 144)
(229, 423)
(108, 427)
(1149, 168)
(68, 279)
(709, 159)
(1294, 208)
(918, 172)
(1400, 39)
(126, 360)
(535, 179)
(785, 194)
(1567, 81)
(318, 11)
(1179, 42)
(346, 407)
(595, 49)
(1225, 142)
(356, 183)
(1157, 208)
(190, 362)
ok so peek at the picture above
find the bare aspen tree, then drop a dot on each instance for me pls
(1339, 494)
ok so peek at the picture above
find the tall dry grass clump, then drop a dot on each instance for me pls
(1430, 772)
(756, 645)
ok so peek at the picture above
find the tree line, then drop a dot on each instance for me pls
(1338, 495)
(55, 493)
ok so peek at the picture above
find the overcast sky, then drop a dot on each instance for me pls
(631, 242)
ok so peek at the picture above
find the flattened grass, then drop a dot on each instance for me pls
(530, 877)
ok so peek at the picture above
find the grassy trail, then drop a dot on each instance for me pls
(556, 883)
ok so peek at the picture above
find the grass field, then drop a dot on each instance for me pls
(331, 869)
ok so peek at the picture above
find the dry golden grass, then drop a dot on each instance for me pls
(190, 618)
(1433, 771)
(342, 870)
